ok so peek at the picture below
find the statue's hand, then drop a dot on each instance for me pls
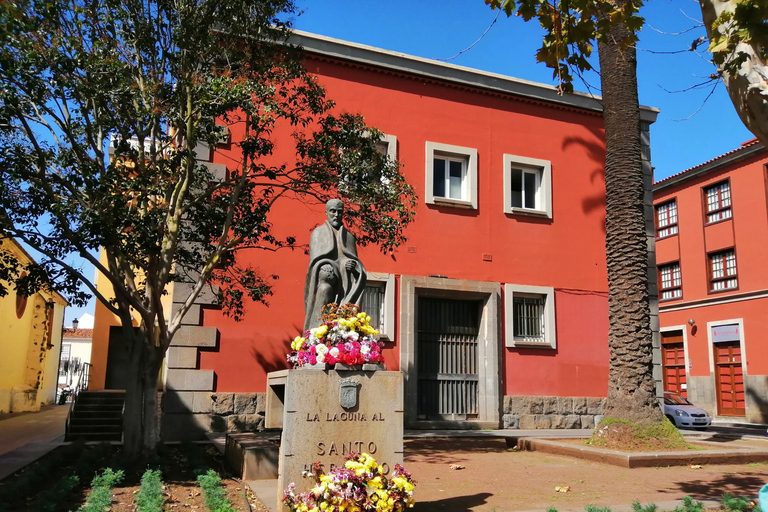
(350, 265)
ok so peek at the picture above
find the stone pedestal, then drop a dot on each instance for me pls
(325, 415)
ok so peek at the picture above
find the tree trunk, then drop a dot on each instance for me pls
(748, 88)
(140, 417)
(631, 387)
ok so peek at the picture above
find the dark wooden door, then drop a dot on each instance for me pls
(729, 379)
(447, 359)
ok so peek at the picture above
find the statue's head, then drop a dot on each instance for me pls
(335, 211)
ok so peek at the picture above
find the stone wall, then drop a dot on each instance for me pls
(535, 412)
(189, 415)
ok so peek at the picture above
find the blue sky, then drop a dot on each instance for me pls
(690, 129)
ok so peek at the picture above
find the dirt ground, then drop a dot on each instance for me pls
(495, 478)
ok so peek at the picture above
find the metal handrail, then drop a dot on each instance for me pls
(82, 385)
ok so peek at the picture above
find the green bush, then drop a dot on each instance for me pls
(100, 498)
(637, 507)
(215, 496)
(690, 505)
(740, 504)
(150, 495)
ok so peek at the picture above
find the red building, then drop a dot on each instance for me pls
(712, 230)
(496, 309)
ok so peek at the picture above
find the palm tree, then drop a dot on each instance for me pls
(631, 386)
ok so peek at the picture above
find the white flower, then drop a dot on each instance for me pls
(364, 349)
(334, 352)
(320, 358)
(321, 349)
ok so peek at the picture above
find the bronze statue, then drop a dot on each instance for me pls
(335, 273)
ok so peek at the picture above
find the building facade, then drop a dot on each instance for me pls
(31, 343)
(712, 230)
(496, 308)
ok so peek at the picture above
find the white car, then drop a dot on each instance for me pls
(683, 414)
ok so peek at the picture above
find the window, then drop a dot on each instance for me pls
(527, 186)
(388, 146)
(530, 316)
(722, 271)
(451, 175)
(718, 202)
(666, 219)
(66, 349)
(671, 282)
(378, 301)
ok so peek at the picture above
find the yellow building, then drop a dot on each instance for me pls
(31, 337)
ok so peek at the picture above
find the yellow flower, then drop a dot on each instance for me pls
(297, 343)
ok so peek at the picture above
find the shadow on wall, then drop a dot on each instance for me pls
(275, 359)
(596, 152)
(760, 400)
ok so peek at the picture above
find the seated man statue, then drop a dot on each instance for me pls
(335, 273)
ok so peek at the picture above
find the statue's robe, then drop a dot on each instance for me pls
(334, 247)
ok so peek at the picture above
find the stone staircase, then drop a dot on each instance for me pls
(96, 416)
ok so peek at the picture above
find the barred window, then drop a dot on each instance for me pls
(373, 304)
(666, 219)
(529, 318)
(718, 202)
(671, 281)
(723, 271)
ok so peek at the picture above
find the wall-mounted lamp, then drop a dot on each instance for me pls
(75, 322)
(691, 322)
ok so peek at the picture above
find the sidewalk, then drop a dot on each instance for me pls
(25, 437)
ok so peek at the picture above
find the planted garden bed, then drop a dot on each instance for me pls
(66, 478)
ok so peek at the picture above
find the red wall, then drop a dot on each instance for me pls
(566, 252)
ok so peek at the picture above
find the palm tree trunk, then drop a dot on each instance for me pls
(631, 387)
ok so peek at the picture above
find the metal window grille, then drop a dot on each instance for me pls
(373, 303)
(528, 318)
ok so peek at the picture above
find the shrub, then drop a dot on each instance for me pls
(215, 496)
(740, 504)
(150, 496)
(100, 498)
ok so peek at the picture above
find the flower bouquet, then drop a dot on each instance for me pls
(344, 336)
(360, 485)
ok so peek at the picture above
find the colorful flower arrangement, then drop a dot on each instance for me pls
(359, 486)
(344, 336)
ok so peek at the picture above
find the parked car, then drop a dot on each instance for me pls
(683, 414)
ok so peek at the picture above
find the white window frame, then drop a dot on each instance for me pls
(388, 315)
(674, 277)
(718, 202)
(666, 219)
(543, 171)
(469, 174)
(550, 327)
(726, 281)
